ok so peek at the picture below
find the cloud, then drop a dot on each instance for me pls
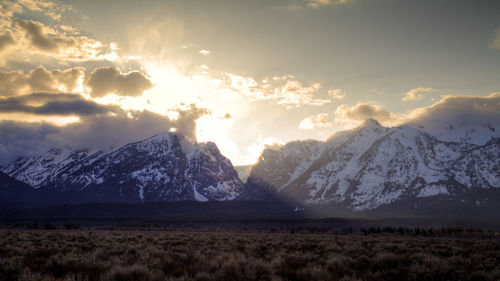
(204, 52)
(52, 104)
(6, 40)
(186, 120)
(94, 131)
(455, 118)
(496, 39)
(315, 121)
(49, 8)
(25, 139)
(471, 110)
(416, 94)
(472, 119)
(42, 40)
(254, 150)
(337, 94)
(106, 80)
(101, 81)
(318, 3)
(39, 80)
(49, 41)
(284, 90)
(363, 111)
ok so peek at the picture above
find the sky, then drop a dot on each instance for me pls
(243, 74)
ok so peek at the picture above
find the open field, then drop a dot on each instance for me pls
(189, 255)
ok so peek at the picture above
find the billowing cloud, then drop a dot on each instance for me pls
(95, 131)
(315, 121)
(106, 80)
(52, 104)
(41, 39)
(472, 119)
(416, 94)
(49, 41)
(284, 90)
(469, 118)
(363, 111)
(337, 94)
(39, 80)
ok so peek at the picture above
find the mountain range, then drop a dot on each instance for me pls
(373, 165)
(165, 167)
(362, 170)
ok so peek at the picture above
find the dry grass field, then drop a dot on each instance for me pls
(187, 255)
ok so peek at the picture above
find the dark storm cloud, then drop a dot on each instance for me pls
(96, 131)
(105, 80)
(52, 104)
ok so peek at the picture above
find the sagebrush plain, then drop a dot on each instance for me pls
(198, 255)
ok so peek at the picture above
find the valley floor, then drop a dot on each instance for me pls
(226, 255)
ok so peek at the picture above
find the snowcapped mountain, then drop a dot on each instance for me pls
(39, 169)
(165, 167)
(372, 165)
(367, 168)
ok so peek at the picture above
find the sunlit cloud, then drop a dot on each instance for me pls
(363, 111)
(416, 94)
(204, 52)
(319, 3)
(216, 129)
(255, 149)
(315, 121)
(106, 80)
(48, 41)
(284, 90)
(40, 80)
(337, 94)
(22, 39)
(49, 8)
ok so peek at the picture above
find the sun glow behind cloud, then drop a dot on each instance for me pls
(173, 88)
(252, 91)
